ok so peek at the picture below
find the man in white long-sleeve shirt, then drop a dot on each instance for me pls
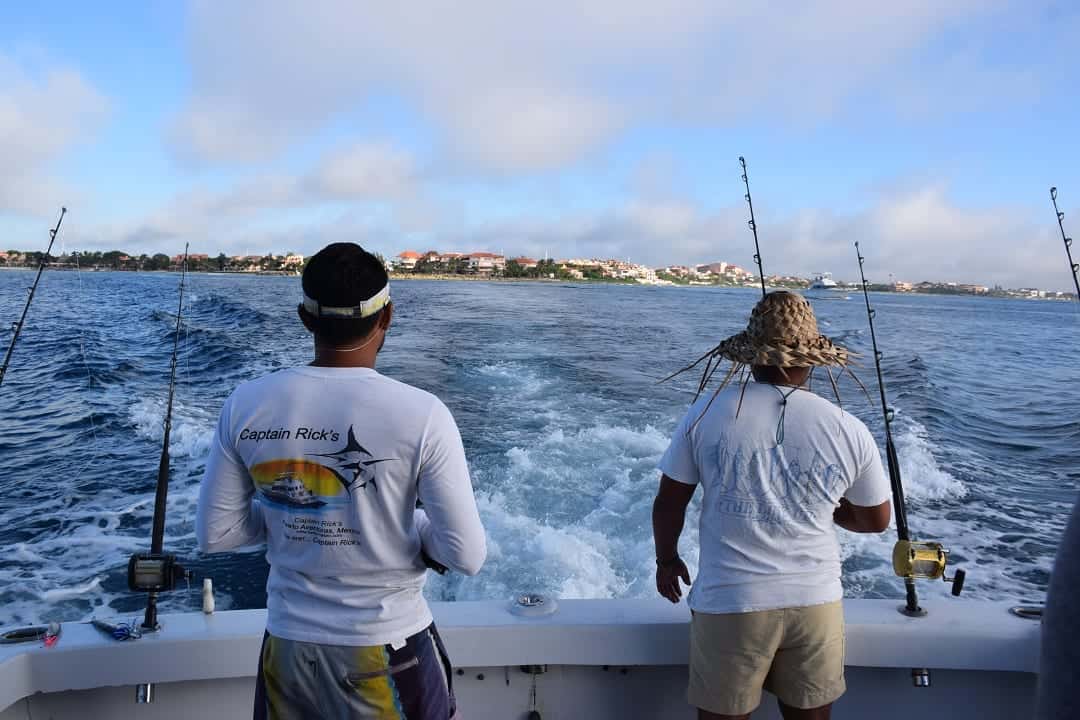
(356, 483)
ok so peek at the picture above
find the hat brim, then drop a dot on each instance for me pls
(794, 353)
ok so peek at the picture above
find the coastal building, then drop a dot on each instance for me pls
(485, 263)
(900, 286)
(293, 260)
(245, 263)
(974, 289)
(406, 261)
(527, 263)
(716, 268)
(679, 271)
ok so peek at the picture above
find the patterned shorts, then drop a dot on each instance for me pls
(309, 680)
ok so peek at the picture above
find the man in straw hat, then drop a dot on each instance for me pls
(780, 467)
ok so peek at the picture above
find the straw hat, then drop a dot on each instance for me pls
(782, 332)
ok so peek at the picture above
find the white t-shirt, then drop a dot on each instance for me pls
(326, 465)
(767, 535)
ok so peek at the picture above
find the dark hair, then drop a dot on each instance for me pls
(342, 275)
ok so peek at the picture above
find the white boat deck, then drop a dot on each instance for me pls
(604, 658)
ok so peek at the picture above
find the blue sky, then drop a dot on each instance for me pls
(929, 132)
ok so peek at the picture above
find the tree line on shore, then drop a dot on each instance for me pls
(120, 260)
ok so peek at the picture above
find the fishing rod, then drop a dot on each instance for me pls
(157, 571)
(753, 225)
(1074, 266)
(17, 327)
(911, 559)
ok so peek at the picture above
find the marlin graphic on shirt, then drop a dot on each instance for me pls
(355, 460)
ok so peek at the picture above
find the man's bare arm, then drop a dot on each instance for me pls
(859, 519)
(669, 516)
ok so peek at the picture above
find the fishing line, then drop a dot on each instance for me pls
(186, 375)
(86, 363)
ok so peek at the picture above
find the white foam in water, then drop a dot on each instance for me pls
(571, 560)
(923, 478)
(192, 428)
(599, 543)
(67, 593)
(511, 373)
(60, 572)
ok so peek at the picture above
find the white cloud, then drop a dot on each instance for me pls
(925, 236)
(515, 85)
(915, 233)
(364, 171)
(367, 176)
(42, 115)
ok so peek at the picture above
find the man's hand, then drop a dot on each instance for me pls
(431, 563)
(668, 516)
(667, 579)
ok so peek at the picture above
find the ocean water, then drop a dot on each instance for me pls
(555, 389)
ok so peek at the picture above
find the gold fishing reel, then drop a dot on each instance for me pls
(913, 559)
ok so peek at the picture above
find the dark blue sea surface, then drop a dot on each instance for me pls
(555, 389)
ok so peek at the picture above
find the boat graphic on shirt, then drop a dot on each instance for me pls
(290, 490)
(318, 486)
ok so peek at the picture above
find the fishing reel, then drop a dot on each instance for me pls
(155, 572)
(913, 559)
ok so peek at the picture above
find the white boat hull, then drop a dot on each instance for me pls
(604, 659)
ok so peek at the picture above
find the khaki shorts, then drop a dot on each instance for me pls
(796, 654)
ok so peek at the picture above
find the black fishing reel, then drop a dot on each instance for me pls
(155, 572)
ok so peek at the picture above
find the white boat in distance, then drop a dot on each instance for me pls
(823, 281)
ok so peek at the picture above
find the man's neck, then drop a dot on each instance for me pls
(773, 376)
(339, 360)
(780, 383)
(330, 356)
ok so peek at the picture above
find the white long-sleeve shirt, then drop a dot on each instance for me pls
(325, 465)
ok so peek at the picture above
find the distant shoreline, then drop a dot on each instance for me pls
(399, 277)
(489, 278)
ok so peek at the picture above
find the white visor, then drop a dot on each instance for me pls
(365, 309)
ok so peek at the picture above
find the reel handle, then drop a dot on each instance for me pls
(958, 582)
